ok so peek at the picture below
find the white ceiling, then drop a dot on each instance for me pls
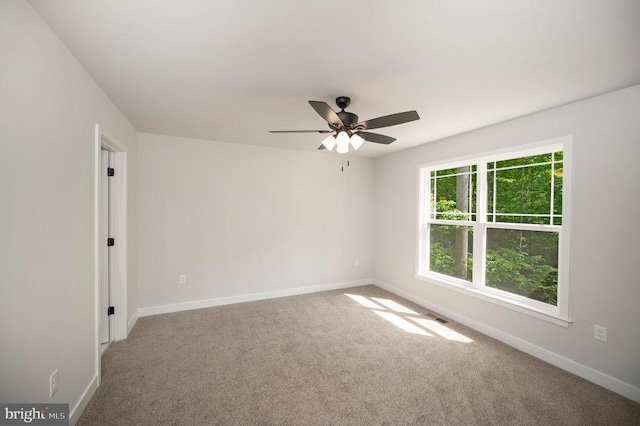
(230, 70)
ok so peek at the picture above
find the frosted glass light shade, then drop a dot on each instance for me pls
(342, 149)
(343, 141)
(356, 141)
(329, 142)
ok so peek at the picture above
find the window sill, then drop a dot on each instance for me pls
(506, 302)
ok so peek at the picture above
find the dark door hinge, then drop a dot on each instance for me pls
(111, 171)
(111, 242)
(111, 310)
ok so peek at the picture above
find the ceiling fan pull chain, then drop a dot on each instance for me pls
(342, 159)
(348, 153)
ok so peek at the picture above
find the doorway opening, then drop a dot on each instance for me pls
(105, 217)
(110, 243)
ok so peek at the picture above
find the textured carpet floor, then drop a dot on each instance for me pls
(327, 358)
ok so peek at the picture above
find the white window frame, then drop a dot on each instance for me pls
(555, 314)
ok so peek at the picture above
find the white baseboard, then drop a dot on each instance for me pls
(132, 322)
(207, 303)
(104, 347)
(588, 373)
(78, 409)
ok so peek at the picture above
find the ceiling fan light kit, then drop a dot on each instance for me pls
(356, 141)
(345, 128)
(329, 142)
(342, 141)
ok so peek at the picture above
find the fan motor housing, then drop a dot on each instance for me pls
(348, 119)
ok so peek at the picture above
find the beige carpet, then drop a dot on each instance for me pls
(326, 358)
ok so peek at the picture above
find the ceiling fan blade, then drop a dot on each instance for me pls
(325, 111)
(389, 120)
(376, 138)
(300, 131)
(321, 147)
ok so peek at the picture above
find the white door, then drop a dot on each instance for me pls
(103, 215)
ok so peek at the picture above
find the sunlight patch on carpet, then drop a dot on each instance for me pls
(395, 306)
(402, 323)
(382, 306)
(441, 330)
(364, 301)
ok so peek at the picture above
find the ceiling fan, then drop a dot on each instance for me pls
(345, 129)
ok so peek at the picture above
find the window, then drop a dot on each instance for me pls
(497, 227)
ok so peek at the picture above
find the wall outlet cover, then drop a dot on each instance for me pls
(600, 333)
(53, 383)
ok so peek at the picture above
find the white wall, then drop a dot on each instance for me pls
(240, 219)
(49, 106)
(605, 244)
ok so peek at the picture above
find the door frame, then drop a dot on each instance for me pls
(105, 192)
(118, 228)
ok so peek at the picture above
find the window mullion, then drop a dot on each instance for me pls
(470, 194)
(552, 195)
(480, 228)
(481, 192)
(495, 190)
(434, 198)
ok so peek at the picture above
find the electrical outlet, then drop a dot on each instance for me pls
(357, 262)
(183, 279)
(53, 383)
(600, 333)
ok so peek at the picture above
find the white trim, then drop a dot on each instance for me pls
(498, 154)
(119, 284)
(564, 244)
(82, 403)
(118, 290)
(558, 314)
(132, 321)
(422, 248)
(525, 306)
(96, 251)
(207, 303)
(606, 381)
(104, 347)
